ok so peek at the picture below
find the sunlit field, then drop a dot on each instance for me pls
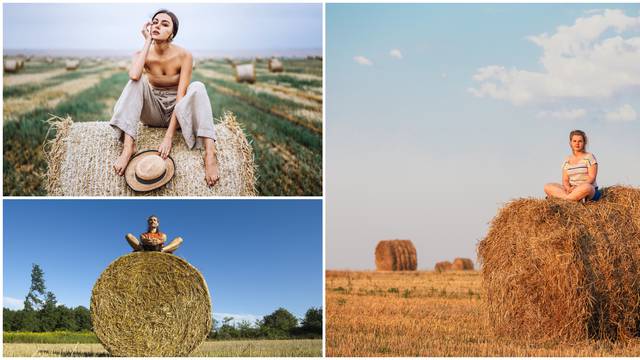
(281, 114)
(425, 313)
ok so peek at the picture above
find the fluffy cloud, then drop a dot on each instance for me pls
(12, 303)
(623, 114)
(588, 60)
(237, 318)
(572, 114)
(362, 60)
(395, 53)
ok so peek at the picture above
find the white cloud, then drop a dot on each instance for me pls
(237, 318)
(395, 53)
(587, 60)
(12, 303)
(572, 114)
(623, 114)
(362, 60)
(443, 75)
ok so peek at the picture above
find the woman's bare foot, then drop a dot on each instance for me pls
(127, 151)
(210, 167)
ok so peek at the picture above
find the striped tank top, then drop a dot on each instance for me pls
(579, 172)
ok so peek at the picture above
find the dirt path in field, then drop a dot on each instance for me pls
(31, 78)
(50, 97)
(291, 74)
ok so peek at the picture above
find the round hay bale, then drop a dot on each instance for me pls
(71, 64)
(396, 255)
(122, 65)
(559, 270)
(11, 66)
(245, 73)
(150, 304)
(49, 60)
(82, 154)
(462, 264)
(275, 65)
(442, 266)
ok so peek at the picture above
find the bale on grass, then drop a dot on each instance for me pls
(11, 66)
(48, 60)
(396, 255)
(559, 270)
(245, 73)
(275, 65)
(71, 64)
(82, 154)
(150, 304)
(443, 266)
(462, 264)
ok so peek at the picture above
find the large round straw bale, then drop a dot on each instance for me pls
(462, 264)
(150, 304)
(71, 64)
(443, 266)
(275, 65)
(396, 255)
(11, 66)
(82, 154)
(245, 73)
(554, 269)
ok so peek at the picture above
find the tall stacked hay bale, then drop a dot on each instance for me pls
(71, 64)
(443, 266)
(396, 255)
(245, 73)
(150, 304)
(82, 154)
(275, 65)
(462, 264)
(554, 269)
(11, 66)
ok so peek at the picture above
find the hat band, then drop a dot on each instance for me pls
(152, 181)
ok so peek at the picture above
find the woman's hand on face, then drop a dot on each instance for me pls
(165, 147)
(145, 30)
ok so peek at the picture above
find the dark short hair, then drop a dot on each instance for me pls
(173, 17)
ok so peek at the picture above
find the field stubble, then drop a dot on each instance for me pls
(427, 314)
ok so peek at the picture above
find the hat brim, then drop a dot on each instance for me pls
(135, 184)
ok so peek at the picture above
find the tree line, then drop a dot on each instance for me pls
(41, 313)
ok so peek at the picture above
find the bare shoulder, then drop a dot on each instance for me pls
(182, 52)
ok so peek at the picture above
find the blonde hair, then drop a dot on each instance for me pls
(579, 133)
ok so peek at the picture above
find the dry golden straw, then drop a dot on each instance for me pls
(443, 266)
(558, 270)
(245, 73)
(275, 65)
(462, 264)
(82, 154)
(150, 304)
(396, 255)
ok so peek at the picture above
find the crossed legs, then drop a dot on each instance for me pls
(578, 193)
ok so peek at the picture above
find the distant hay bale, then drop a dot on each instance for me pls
(122, 65)
(71, 64)
(82, 154)
(48, 60)
(11, 66)
(275, 65)
(150, 304)
(462, 264)
(554, 269)
(245, 73)
(396, 255)
(443, 266)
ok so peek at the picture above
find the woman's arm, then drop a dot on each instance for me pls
(185, 78)
(592, 172)
(137, 64)
(565, 181)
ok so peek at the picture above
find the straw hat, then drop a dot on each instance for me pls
(147, 171)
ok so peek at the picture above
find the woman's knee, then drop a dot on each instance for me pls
(197, 86)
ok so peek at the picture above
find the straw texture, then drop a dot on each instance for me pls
(396, 255)
(275, 65)
(443, 266)
(150, 304)
(82, 154)
(245, 73)
(557, 270)
(462, 264)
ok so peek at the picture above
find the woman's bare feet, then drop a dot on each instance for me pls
(210, 162)
(128, 149)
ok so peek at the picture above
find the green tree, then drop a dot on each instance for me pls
(37, 292)
(227, 330)
(49, 314)
(82, 317)
(278, 324)
(312, 322)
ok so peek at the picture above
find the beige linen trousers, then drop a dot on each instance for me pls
(140, 101)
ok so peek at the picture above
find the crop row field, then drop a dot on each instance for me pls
(235, 348)
(281, 114)
(424, 313)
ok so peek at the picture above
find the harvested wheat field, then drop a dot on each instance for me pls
(280, 115)
(424, 313)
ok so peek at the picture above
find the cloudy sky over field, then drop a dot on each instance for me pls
(256, 256)
(439, 114)
(202, 26)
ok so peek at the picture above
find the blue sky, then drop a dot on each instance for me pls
(255, 255)
(438, 114)
(202, 26)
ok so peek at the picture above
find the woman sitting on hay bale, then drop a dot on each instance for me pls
(153, 239)
(579, 173)
(163, 97)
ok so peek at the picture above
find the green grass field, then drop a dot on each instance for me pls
(281, 115)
